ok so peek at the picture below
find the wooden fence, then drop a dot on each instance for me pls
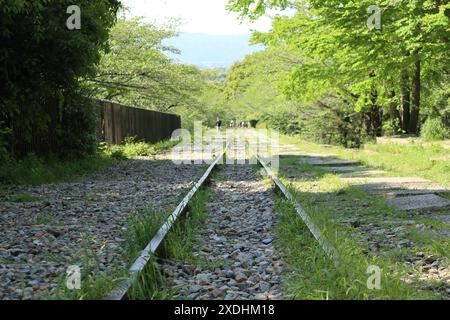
(118, 122)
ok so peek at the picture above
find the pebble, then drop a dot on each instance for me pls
(195, 289)
(43, 238)
(240, 277)
(237, 233)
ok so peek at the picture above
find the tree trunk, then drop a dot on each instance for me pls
(415, 97)
(378, 121)
(405, 100)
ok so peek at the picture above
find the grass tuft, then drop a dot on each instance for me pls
(23, 198)
(178, 247)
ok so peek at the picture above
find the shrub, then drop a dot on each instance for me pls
(326, 131)
(4, 154)
(391, 127)
(77, 134)
(435, 129)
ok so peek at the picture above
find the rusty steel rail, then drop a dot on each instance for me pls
(326, 245)
(121, 291)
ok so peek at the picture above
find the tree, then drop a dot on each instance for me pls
(372, 67)
(41, 62)
(137, 70)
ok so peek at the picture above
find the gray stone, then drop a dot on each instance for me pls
(217, 293)
(264, 287)
(329, 162)
(362, 173)
(203, 279)
(229, 274)
(400, 193)
(195, 289)
(240, 277)
(344, 169)
(427, 201)
(188, 269)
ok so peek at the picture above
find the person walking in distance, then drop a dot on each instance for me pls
(218, 124)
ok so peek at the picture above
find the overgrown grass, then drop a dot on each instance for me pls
(181, 241)
(329, 202)
(22, 198)
(95, 284)
(429, 161)
(132, 148)
(316, 277)
(435, 129)
(178, 246)
(143, 226)
(33, 170)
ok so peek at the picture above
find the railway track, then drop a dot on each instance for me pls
(237, 241)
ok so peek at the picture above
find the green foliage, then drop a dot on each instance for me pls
(131, 148)
(76, 134)
(21, 198)
(391, 127)
(320, 131)
(34, 170)
(178, 246)
(255, 9)
(426, 160)
(143, 227)
(336, 55)
(182, 239)
(95, 284)
(41, 62)
(138, 72)
(316, 277)
(435, 129)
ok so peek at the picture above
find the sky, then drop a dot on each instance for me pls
(198, 16)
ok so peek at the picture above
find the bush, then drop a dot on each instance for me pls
(435, 129)
(317, 130)
(4, 155)
(131, 148)
(77, 133)
(391, 127)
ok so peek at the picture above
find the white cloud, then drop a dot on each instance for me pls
(200, 16)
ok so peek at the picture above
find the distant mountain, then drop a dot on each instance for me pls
(211, 51)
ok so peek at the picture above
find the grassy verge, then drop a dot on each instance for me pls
(34, 171)
(365, 231)
(425, 160)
